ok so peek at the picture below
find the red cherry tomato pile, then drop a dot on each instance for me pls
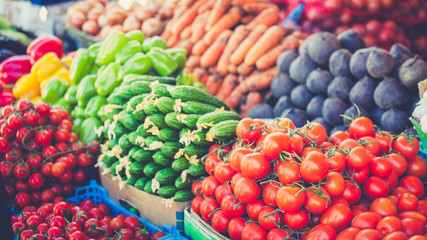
(300, 183)
(40, 157)
(65, 220)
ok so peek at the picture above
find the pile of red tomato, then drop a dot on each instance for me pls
(40, 157)
(279, 181)
(65, 220)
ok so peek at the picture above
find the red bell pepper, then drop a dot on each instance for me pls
(6, 98)
(13, 68)
(42, 45)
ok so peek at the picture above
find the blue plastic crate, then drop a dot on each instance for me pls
(422, 153)
(98, 195)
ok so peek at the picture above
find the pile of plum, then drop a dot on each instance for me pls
(330, 76)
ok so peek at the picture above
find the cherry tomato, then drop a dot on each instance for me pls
(317, 201)
(349, 144)
(235, 227)
(407, 146)
(334, 184)
(21, 170)
(361, 127)
(398, 163)
(223, 172)
(407, 202)
(370, 144)
(288, 172)
(254, 208)
(246, 190)
(351, 192)
(4, 145)
(116, 224)
(281, 126)
(369, 234)
(236, 156)
(255, 165)
(131, 222)
(417, 167)
(399, 235)
(380, 167)
(314, 132)
(297, 220)
(336, 161)
(47, 195)
(208, 206)
(358, 158)
(62, 135)
(196, 203)
(411, 227)
(96, 213)
(337, 216)
(232, 207)
(248, 129)
(22, 199)
(43, 138)
(348, 233)
(338, 137)
(314, 167)
(57, 170)
(290, 199)
(253, 231)
(211, 161)
(84, 160)
(209, 185)
(275, 143)
(220, 222)
(384, 138)
(268, 218)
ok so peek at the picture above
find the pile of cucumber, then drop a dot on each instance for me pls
(157, 134)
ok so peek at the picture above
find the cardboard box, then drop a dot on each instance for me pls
(196, 228)
(151, 207)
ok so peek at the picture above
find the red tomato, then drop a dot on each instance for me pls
(253, 231)
(314, 132)
(417, 167)
(414, 185)
(235, 178)
(337, 216)
(407, 146)
(336, 161)
(58, 221)
(316, 201)
(223, 172)
(116, 224)
(422, 207)
(248, 129)
(209, 185)
(396, 236)
(278, 234)
(359, 176)
(375, 187)
(297, 144)
(380, 167)
(366, 220)
(288, 172)
(196, 187)
(196, 203)
(384, 207)
(370, 234)
(361, 127)
(389, 224)
(254, 208)
(314, 167)
(232, 207)
(269, 220)
(158, 235)
(222, 191)
(246, 190)
(348, 233)
(131, 222)
(334, 184)
(269, 193)
(421, 219)
(399, 191)
(77, 235)
(235, 227)
(255, 165)
(411, 227)
(358, 158)
(57, 170)
(236, 156)
(322, 231)
(43, 138)
(208, 206)
(370, 144)
(351, 192)
(349, 144)
(275, 143)
(391, 180)
(22, 199)
(398, 163)
(220, 222)
(308, 150)
(297, 220)
(338, 137)
(290, 199)
(407, 202)
(384, 138)
(210, 162)
(33, 221)
(283, 125)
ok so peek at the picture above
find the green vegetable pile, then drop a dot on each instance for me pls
(96, 72)
(157, 134)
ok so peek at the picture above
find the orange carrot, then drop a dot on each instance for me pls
(227, 21)
(183, 21)
(206, 7)
(267, 17)
(259, 81)
(246, 19)
(232, 68)
(212, 70)
(185, 33)
(244, 69)
(212, 54)
(193, 61)
(239, 55)
(172, 41)
(199, 29)
(185, 43)
(213, 83)
(235, 98)
(243, 2)
(236, 38)
(199, 48)
(252, 99)
(257, 7)
(220, 7)
(269, 59)
(267, 41)
(201, 74)
(227, 86)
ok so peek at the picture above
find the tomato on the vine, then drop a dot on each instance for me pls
(253, 231)
(246, 190)
(235, 227)
(290, 199)
(384, 207)
(288, 172)
(255, 165)
(314, 167)
(232, 207)
(361, 127)
(275, 143)
(220, 221)
(248, 129)
(407, 146)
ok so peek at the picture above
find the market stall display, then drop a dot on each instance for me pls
(99, 18)
(332, 76)
(281, 181)
(40, 157)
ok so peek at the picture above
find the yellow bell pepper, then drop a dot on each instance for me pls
(26, 87)
(68, 59)
(46, 66)
(36, 99)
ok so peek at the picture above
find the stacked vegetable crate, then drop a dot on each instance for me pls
(157, 135)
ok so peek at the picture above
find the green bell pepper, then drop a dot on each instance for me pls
(162, 61)
(87, 130)
(64, 104)
(136, 35)
(107, 80)
(78, 112)
(54, 90)
(86, 89)
(127, 51)
(94, 105)
(179, 55)
(77, 122)
(93, 49)
(155, 41)
(81, 66)
(137, 64)
(70, 95)
(110, 46)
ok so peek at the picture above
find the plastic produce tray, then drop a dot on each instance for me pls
(196, 228)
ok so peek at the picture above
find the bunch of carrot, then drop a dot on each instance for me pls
(233, 46)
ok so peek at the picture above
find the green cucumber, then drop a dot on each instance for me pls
(108, 161)
(166, 191)
(159, 120)
(168, 134)
(113, 168)
(132, 151)
(113, 142)
(140, 183)
(183, 195)
(224, 130)
(196, 170)
(150, 108)
(149, 78)
(131, 180)
(120, 129)
(218, 116)
(147, 186)
(166, 105)
(115, 99)
(151, 169)
(127, 119)
(180, 185)
(190, 93)
(150, 139)
(162, 90)
(142, 131)
(136, 169)
(171, 148)
(166, 176)
(200, 139)
(184, 131)
(143, 156)
(125, 92)
(192, 107)
(193, 149)
(180, 164)
(124, 142)
(132, 138)
(139, 115)
(162, 159)
(140, 87)
(172, 121)
(191, 120)
(134, 101)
